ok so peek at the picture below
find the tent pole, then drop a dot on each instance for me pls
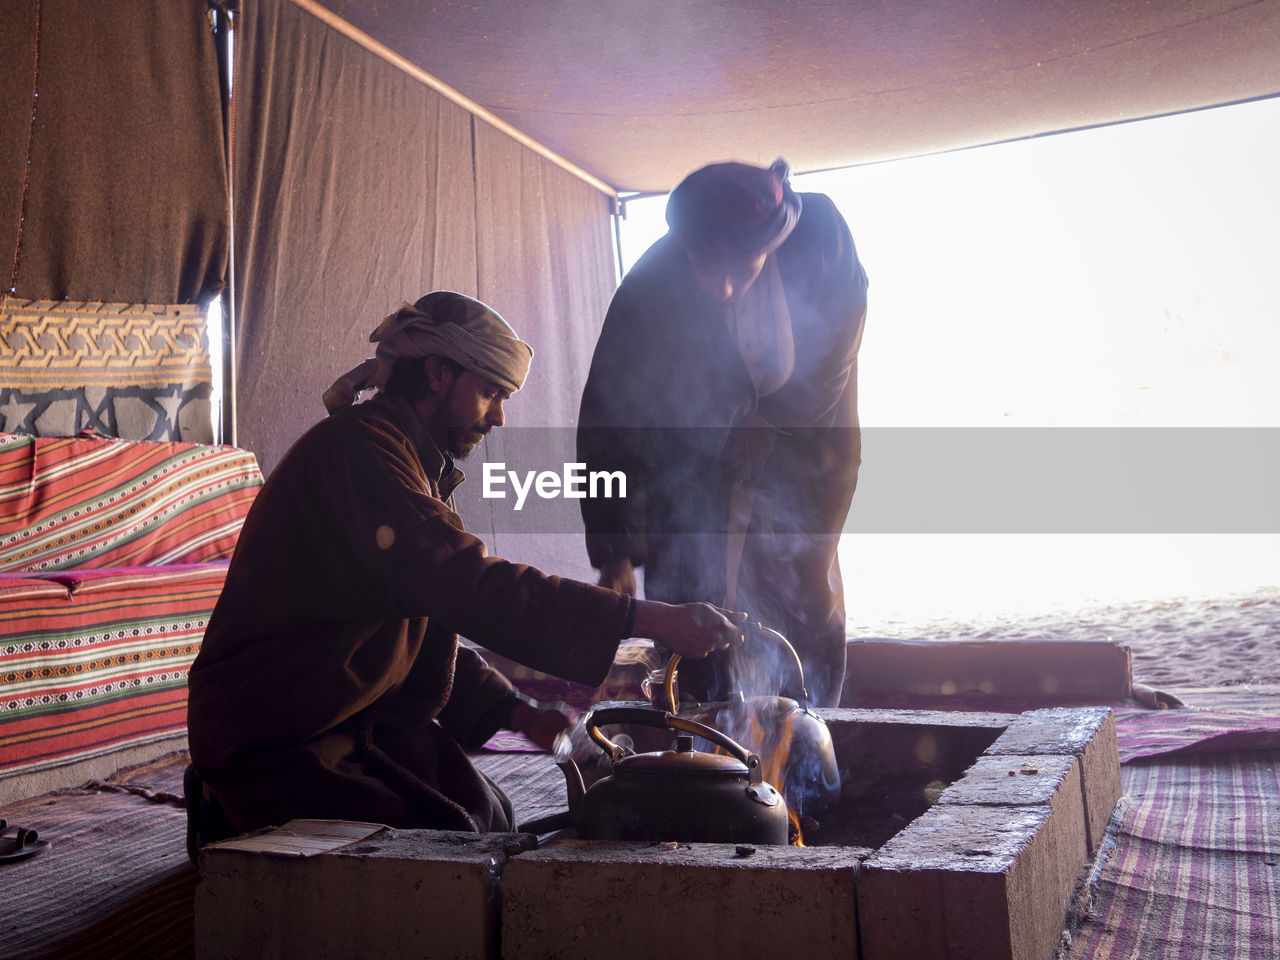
(225, 13)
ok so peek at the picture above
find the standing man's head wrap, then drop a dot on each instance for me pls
(734, 209)
(443, 324)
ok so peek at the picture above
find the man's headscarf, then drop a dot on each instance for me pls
(444, 324)
(734, 208)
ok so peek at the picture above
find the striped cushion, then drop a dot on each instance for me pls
(115, 553)
(93, 662)
(74, 502)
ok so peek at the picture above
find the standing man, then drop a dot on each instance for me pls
(724, 384)
(331, 683)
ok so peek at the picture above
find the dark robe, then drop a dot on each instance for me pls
(670, 402)
(331, 683)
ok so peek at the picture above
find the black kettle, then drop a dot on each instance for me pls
(678, 794)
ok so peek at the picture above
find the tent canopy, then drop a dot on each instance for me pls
(638, 94)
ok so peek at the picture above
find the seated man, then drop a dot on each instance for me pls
(331, 683)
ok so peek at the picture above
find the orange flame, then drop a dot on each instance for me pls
(773, 759)
(772, 767)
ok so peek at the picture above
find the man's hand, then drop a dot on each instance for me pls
(690, 629)
(541, 724)
(619, 574)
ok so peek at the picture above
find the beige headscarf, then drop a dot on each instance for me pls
(444, 324)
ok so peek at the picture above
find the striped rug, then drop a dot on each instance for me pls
(1149, 733)
(1191, 863)
(1190, 867)
(96, 502)
(115, 882)
(103, 668)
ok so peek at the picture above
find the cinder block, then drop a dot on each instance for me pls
(1021, 781)
(638, 901)
(971, 882)
(400, 893)
(1029, 781)
(1027, 669)
(1088, 733)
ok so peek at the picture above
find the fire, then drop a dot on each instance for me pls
(798, 761)
(774, 753)
(773, 766)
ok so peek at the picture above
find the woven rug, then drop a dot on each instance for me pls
(1148, 733)
(115, 882)
(1214, 720)
(1191, 863)
(1189, 867)
(532, 781)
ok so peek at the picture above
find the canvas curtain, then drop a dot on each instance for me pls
(545, 258)
(353, 192)
(358, 187)
(113, 212)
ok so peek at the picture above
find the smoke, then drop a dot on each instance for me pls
(794, 747)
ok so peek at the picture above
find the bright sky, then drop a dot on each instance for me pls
(1112, 277)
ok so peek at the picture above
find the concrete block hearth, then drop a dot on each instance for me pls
(1047, 671)
(637, 901)
(956, 835)
(971, 883)
(401, 893)
(1088, 733)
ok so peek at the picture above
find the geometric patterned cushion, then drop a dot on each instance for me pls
(132, 370)
(76, 502)
(94, 661)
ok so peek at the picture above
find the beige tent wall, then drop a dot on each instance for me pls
(545, 259)
(358, 187)
(113, 217)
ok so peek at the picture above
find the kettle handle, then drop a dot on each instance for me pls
(653, 718)
(758, 628)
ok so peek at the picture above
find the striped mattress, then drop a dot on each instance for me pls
(112, 554)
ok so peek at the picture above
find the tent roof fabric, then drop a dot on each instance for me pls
(638, 94)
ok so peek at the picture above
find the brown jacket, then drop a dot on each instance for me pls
(331, 682)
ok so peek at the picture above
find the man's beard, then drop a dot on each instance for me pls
(461, 441)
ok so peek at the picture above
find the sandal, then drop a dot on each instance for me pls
(26, 844)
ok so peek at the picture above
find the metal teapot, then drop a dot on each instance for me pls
(796, 742)
(679, 794)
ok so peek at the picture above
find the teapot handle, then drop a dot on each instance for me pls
(756, 628)
(653, 718)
